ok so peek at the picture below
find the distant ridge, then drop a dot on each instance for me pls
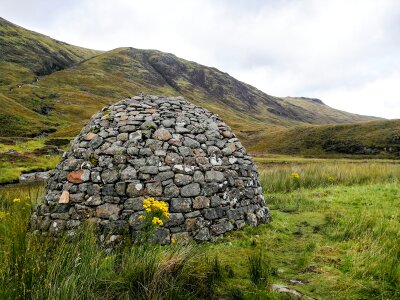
(51, 87)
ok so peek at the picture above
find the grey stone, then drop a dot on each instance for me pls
(235, 214)
(138, 162)
(108, 190)
(171, 190)
(135, 189)
(118, 227)
(221, 227)
(216, 201)
(203, 235)
(154, 189)
(168, 123)
(210, 189)
(190, 190)
(162, 176)
(198, 177)
(76, 197)
(120, 188)
(109, 176)
(251, 219)
(127, 128)
(149, 169)
(135, 204)
(201, 138)
(57, 227)
(145, 152)
(61, 216)
(214, 176)
(201, 202)
(210, 214)
(189, 142)
(180, 129)
(148, 125)
(173, 158)
(71, 224)
(96, 142)
(175, 219)
(94, 200)
(135, 136)
(123, 137)
(154, 144)
(193, 214)
(107, 210)
(162, 236)
(262, 215)
(183, 169)
(185, 151)
(135, 222)
(128, 174)
(182, 179)
(162, 134)
(181, 204)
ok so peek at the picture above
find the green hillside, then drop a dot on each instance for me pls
(40, 54)
(377, 138)
(52, 88)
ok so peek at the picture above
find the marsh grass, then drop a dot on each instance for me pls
(259, 268)
(373, 236)
(311, 176)
(340, 239)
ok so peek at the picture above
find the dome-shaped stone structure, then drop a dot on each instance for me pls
(162, 147)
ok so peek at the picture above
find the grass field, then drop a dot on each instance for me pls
(19, 156)
(334, 234)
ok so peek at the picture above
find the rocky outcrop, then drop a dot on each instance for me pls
(162, 147)
(34, 177)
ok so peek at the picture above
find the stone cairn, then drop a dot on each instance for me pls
(161, 147)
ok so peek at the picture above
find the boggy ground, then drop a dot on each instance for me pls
(334, 235)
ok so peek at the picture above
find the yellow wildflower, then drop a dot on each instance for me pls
(173, 241)
(142, 217)
(157, 221)
(17, 200)
(295, 175)
(150, 205)
(3, 214)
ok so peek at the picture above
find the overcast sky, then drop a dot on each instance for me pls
(345, 52)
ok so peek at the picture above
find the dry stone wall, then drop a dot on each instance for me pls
(162, 147)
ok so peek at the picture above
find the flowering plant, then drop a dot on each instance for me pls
(295, 175)
(155, 210)
(3, 215)
(155, 215)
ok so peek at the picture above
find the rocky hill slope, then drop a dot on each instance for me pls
(47, 86)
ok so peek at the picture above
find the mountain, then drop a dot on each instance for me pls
(376, 138)
(51, 87)
(36, 52)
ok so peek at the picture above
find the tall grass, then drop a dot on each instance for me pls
(282, 178)
(38, 267)
(176, 272)
(259, 268)
(361, 224)
(374, 238)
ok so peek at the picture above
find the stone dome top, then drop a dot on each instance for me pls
(154, 146)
